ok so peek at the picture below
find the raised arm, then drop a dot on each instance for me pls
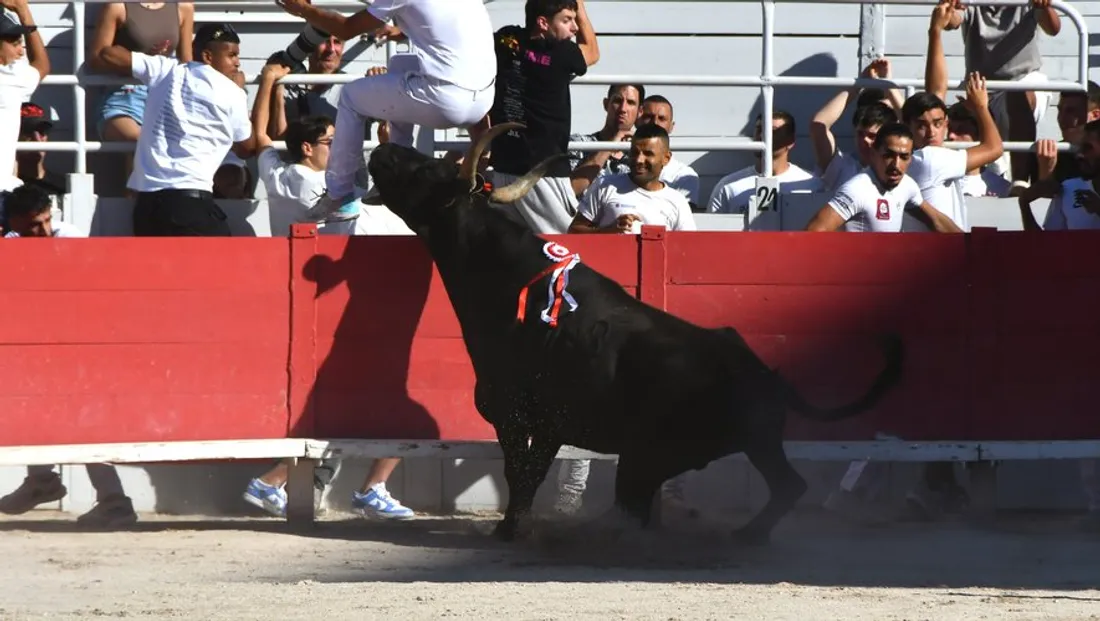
(1047, 17)
(990, 147)
(935, 64)
(261, 107)
(586, 36)
(36, 49)
(332, 22)
(187, 32)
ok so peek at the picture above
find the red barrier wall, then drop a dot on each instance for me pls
(125, 340)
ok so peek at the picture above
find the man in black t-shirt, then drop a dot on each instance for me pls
(535, 65)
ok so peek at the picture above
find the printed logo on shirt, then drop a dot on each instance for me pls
(882, 212)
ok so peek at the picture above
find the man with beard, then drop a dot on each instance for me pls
(621, 203)
(874, 199)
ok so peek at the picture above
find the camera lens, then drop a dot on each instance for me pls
(304, 44)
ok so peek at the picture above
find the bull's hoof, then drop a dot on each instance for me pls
(512, 530)
(751, 537)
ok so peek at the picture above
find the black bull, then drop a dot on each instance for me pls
(614, 375)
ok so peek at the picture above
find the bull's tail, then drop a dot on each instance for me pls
(890, 374)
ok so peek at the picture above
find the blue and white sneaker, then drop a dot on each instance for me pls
(267, 497)
(330, 209)
(377, 503)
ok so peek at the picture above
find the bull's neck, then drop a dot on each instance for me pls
(485, 259)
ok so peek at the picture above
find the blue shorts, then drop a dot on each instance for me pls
(128, 100)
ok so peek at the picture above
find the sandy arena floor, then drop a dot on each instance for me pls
(432, 568)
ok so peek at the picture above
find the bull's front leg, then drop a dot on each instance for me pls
(525, 468)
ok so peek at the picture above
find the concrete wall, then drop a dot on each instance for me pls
(635, 37)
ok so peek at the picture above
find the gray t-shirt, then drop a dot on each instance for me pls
(1001, 41)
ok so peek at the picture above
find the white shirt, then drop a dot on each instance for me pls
(293, 188)
(939, 172)
(611, 196)
(452, 38)
(985, 183)
(841, 168)
(683, 178)
(868, 207)
(17, 82)
(732, 193)
(1063, 215)
(193, 115)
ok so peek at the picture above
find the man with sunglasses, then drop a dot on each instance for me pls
(195, 114)
(447, 81)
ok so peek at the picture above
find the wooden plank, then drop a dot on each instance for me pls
(43, 370)
(151, 452)
(136, 416)
(811, 451)
(809, 309)
(1016, 450)
(129, 265)
(70, 317)
(824, 259)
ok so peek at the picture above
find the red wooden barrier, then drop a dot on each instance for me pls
(127, 340)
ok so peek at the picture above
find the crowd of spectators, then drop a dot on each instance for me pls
(195, 135)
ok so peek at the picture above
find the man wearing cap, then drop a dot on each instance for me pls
(194, 115)
(30, 166)
(18, 38)
(448, 80)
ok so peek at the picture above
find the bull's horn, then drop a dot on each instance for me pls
(520, 187)
(469, 161)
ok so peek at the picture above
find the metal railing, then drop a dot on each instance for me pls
(767, 81)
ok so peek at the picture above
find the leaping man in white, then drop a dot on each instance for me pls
(447, 80)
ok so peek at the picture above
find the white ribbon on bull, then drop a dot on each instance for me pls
(560, 276)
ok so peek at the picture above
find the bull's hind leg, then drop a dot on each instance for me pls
(785, 487)
(638, 476)
(525, 468)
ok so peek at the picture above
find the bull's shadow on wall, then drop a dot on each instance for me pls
(802, 102)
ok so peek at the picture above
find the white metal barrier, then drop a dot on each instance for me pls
(767, 80)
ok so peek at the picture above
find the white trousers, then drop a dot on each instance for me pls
(404, 97)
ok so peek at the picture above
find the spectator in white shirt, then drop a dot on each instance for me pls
(447, 81)
(834, 165)
(195, 114)
(622, 203)
(984, 181)
(874, 199)
(678, 175)
(939, 171)
(18, 80)
(293, 187)
(731, 194)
